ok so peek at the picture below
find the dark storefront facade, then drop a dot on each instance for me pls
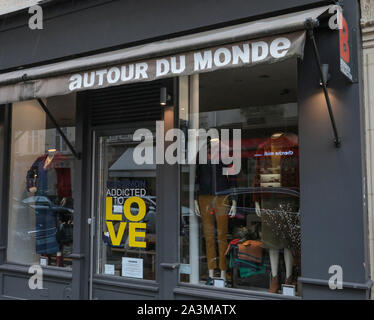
(270, 208)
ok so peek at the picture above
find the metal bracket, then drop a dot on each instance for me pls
(50, 116)
(170, 266)
(310, 24)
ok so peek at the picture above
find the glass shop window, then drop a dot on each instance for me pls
(240, 219)
(126, 208)
(41, 195)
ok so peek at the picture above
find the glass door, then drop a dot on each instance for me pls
(123, 237)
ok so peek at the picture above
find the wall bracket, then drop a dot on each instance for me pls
(76, 154)
(310, 25)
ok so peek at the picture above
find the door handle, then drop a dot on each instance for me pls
(170, 266)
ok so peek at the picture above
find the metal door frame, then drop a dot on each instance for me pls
(95, 134)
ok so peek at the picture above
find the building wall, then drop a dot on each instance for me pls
(81, 27)
(333, 211)
(333, 203)
(367, 25)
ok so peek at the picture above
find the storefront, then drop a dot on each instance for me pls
(199, 166)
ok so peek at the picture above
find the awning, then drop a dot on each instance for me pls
(263, 41)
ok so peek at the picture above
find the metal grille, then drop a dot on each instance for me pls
(125, 104)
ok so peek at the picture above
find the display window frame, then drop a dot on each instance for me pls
(239, 289)
(67, 185)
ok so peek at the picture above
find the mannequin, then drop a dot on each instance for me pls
(222, 225)
(212, 207)
(279, 162)
(47, 179)
(274, 261)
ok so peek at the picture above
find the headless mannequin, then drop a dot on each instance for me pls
(274, 253)
(212, 150)
(48, 160)
(232, 213)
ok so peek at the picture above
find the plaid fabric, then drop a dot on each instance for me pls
(246, 268)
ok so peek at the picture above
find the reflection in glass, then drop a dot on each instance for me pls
(242, 230)
(121, 251)
(41, 206)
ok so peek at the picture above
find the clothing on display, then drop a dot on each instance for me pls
(273, 208)
(49, 182)
(247, 256)
(276, 177)
(210, 179)
(214, 209)
(277, 166)
(212, 190)
(50, 176)
(277, 181)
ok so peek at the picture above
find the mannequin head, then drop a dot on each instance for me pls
(277, 135)
(51, 153)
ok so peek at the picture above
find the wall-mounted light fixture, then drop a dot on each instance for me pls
(325, 75)
(164, 96)
(323, 71)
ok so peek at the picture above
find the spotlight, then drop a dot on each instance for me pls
(164, 96)
(326, 75)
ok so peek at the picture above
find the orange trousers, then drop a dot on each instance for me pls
(219, 205)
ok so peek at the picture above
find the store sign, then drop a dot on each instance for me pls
(238, 54)
(346, 61)
(134, 226)
(7, 6)
(235, 54)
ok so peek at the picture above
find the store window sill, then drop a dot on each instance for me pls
(148, 285)
(206, 292)
(54, 272)
(351, 285)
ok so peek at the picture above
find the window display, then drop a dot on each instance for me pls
(41, 207)
(240, 221)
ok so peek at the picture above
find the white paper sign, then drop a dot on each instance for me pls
(288, 290)
(132, 268)
(109, 269)
(44, 261)
(219, 283)
(117, 209)
(184, 268)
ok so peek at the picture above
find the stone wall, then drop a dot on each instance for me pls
(367, 25)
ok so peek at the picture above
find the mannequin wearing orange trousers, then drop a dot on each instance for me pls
(212, 190)
(214, 210)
